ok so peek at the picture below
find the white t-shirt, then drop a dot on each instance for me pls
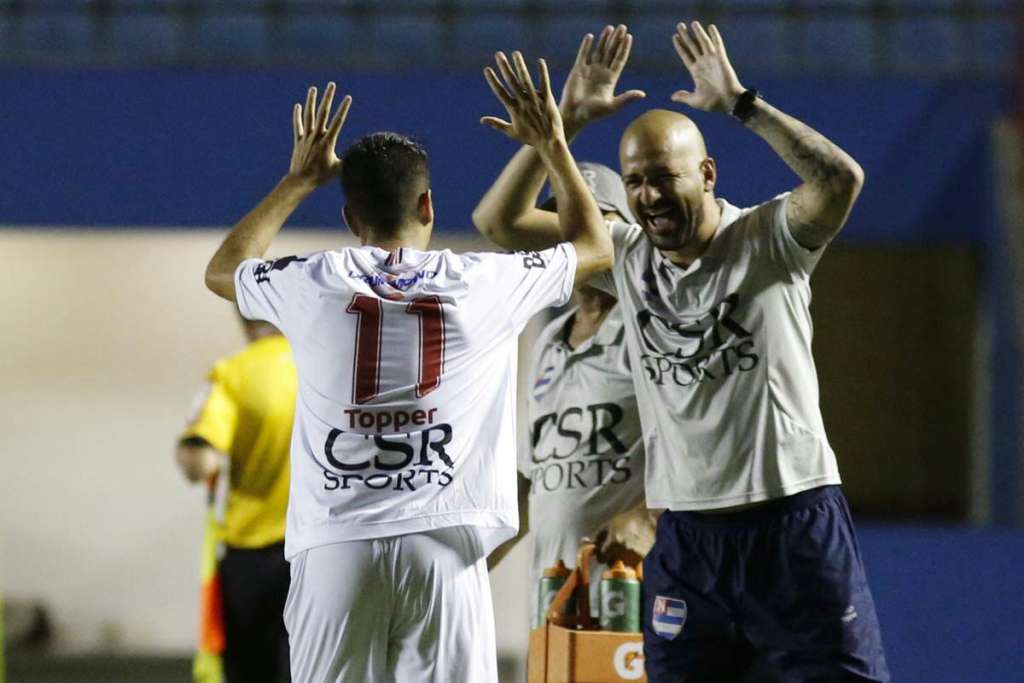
(405, 417)
(725, 380)
(585, 457)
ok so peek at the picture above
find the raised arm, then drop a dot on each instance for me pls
(313, 163)
(507, 213)
(832, 180)
(536, 121)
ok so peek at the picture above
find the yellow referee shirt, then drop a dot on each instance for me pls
(247, 412)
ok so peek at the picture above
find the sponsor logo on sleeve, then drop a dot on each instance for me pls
(263, 270)
(668, 617)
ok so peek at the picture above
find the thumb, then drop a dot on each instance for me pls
(627, 97)
(683, 97)
(497, 124)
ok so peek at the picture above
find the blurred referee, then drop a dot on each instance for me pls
(244, 417)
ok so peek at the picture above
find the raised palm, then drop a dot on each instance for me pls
(716, 85)
(589, 91)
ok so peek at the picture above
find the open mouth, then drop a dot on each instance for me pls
(660, 220)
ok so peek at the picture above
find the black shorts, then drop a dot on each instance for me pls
(773, 593)
(254, 585)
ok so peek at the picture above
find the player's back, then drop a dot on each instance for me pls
(407, 368)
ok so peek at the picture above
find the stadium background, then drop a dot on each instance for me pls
(134, 133)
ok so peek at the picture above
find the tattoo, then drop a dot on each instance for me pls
(816, 160)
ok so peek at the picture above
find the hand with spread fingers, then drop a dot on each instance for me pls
(589, 91)
(313, 153)
(716, 87)
(535, 119)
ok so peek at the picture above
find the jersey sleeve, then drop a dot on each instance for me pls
(263, 288)
(530, 281)
(215, 415)
(623, 236)
(782, 248)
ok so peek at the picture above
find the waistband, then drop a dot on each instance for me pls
(759, 514)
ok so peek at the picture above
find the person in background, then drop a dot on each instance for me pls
(243, 421)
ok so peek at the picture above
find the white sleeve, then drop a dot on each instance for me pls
(784, 250)
(530, 281)
(267, 290)
(623, 236)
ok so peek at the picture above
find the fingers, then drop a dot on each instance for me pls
(310, 113)
(524, 76)
(339, 119)
(716, 38)
(507, 73)
(498, 88)
(297, 129)
(545, 80)
(683, 51)
(702, 38)
(583, 56)
(325, 108)
(621, 55)
(602, 45)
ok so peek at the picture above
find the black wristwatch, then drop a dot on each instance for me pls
(744, 107)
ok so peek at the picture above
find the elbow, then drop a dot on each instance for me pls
(852, 179)
(483, 223)
(220, 281)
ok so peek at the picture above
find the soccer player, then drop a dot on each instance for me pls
(755, 574)
(244, 418)
(584, 464)
(403, 449)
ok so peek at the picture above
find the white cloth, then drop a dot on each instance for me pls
(405, 418)
(585, 461)
(726, 383)
(403, 609)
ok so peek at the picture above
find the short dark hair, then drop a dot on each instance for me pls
(382, 176)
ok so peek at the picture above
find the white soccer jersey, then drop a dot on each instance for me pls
(405, 418)
(726, 384)
(585, 461)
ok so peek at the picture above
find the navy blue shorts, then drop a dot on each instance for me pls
(773, 593)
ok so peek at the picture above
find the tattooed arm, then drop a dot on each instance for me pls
(818, 208)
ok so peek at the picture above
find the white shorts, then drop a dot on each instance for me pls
(399, 609)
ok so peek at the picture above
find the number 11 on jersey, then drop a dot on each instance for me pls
(366, 372)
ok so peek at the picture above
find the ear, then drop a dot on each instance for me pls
(710, 172)
(349, 220)
(425, 208)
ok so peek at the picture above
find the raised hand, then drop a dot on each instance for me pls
(313, 152)
(589, 92)
(534, 116)
(716, 87)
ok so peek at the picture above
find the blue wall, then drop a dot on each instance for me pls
(950, 602)
(198, 148)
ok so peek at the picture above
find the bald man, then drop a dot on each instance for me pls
(755, 574)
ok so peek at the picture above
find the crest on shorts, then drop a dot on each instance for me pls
(669, 616)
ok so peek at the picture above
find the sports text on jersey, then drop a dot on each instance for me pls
(577, 426)
(404, 281)
(713, 347)
(402, 463)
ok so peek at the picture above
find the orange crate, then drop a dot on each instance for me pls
(562, 655)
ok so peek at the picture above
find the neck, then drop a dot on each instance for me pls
(409, 237)
(593, 302)
(696, 247)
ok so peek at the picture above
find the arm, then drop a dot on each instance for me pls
(197, 458)
(506, 214)
(524, 525)
(535, 121)
(832, 180)
(313, 163)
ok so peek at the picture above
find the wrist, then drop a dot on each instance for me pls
(298, 184)
(571, 124)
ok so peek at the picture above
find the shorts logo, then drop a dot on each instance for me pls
(669, 617)
(629, 661)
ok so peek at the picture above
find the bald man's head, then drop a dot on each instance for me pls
(669, 177)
